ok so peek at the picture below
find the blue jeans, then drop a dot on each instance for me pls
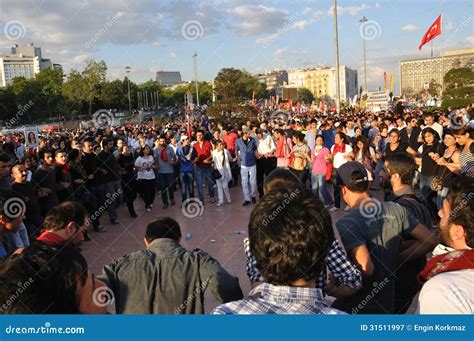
(318, 186)
(441, 196)
(202, 173)
(166, 181)
(187, 185)
(18, 239)
(427, 194)
(378, 168)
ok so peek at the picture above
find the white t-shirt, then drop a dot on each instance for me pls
(339, 159)
(148, 173)
(448, 293)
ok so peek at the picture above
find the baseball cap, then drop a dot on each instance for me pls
(245, 130)
(183, 137)
(350, 173)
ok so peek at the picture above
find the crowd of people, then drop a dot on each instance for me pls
(405, 179)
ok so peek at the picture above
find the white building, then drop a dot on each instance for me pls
(322, 81)
(24, 61)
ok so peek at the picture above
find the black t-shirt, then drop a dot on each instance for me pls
(33, 210)
(429, 167)
(45, 179)
(401, 148)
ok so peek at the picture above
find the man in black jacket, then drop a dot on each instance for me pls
(401, 169)
(166, 278)
(110, 180)
(90, 163)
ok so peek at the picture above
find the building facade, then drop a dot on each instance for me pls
(23, 61)
(322, 81)
(168, 78)
(417, 72)
(273, 79)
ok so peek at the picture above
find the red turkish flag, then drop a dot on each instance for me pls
(433, 32)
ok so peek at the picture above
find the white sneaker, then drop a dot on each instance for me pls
(219, 204)
(347, 208)
(333, 209)
(151, 205)
(148, 209)
(229, 202)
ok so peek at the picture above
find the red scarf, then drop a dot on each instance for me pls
(65, 167)
(163, 156)
(280, 147)
(451, 261)
(339, 148)
(51, 239)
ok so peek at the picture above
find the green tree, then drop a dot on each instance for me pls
(305, 96)
(93, 77)
(236, 84)
(459, 77)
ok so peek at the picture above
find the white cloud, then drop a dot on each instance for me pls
(470, 40)
(251, 20)
(352, 10)
(409, 28)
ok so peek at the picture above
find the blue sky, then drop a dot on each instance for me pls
(255, 35)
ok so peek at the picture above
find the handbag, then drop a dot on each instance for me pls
(437, 183)
(215, 173)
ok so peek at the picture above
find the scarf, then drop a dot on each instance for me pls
(339, 148)
(280, 147)
(51, 239)
(64, 166)
(163, 155)
(451, 261)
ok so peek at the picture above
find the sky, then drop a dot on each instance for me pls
(257, 36)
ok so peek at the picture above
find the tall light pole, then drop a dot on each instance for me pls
(336, 48)
(362, 21)
(127, 70)
(196, 78)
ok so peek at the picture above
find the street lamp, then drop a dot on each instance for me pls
(362, 21)
(336, 48)
(196, 78)
(127, 70)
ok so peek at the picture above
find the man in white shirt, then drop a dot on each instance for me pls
(448, 276)
(430, 122)
(266, 160)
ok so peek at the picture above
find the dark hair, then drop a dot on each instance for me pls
(319, 135)
(397, 132)
(404, 165)
(163, 227)
(73, 154)
(59, 216)
(465, 130)
(290, 236)
(4, 158)
(432, 132)
(47, 278)
(42, 153)
(342, 136)
(460, 198)
(365, 150)
(358, 185)
(299, 135)
(281, 177)
(59, 151)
